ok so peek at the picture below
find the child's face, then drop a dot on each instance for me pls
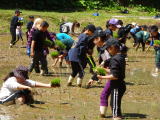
(43, 29)
(31, 19)
(90, 33)
(112, 50)
(154, 34)
(97, 41)
(113, 27)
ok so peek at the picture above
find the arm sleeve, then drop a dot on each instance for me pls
(83, 46)
(115, 70)
(12, 83)
(30, 83)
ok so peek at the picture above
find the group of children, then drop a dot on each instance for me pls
(112, 51)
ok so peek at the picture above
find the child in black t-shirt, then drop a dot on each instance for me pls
(37, 48)
(117, 76)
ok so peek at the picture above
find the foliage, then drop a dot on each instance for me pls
(60, 44)
(55, 82)
(54, 54)
(48, 43)
(100, 71)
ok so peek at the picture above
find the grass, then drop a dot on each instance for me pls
(140, 102)
(85, 17)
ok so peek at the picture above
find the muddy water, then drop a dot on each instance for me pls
(141, 100)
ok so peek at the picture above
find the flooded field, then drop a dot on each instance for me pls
(141, 100)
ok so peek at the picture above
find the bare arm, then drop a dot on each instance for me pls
(23, 87)
(110, 77)
(32, 48)
(39, 84)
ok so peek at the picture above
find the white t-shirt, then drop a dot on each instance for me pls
(18, 30)
(105, 56)
(69, 24)
(10, 86)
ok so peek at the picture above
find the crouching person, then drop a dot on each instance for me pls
(18, 87)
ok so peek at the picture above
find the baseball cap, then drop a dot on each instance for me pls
(21, 72)
(91, 27)
(112, 42)
(99, 33)
(115, 22)
(18, 11)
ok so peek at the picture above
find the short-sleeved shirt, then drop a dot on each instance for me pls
(117, 67)
(39, 37)
(29, 25)
(142, 35)
(10, 86)
(14, 22)
(69, 24)
(65, 39)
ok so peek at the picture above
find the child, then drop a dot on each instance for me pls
(116, 77)
(67, 41)
(37, 48)
(13, 26)
(133, 31)
(155, 35)
(99, 41)
(17, 86)
(69, 27)
(141, 37)
(111, 26)
(78, 55)
(29, 25)
(19, 31)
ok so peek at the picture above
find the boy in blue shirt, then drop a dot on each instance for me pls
(78, 55)
(155, 35)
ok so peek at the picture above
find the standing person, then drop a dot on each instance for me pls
(69, 27)
(19, 31)
(18, 86)
(37, 48)
(78, 55)
(13, 26)
(141, 37)
(29, 25)
(117, 75)
(155, 35)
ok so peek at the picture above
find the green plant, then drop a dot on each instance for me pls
(156, 42)
(54, 54)
(60, 44)
(48, 43)
(55, 82)
(100, 71)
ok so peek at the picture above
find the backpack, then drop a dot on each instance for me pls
(64, 28)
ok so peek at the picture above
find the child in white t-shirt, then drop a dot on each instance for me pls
(19, 33)
(18, 86)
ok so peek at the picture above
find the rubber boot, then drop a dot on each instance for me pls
(103, 111)
(79, 82)
(70, 80)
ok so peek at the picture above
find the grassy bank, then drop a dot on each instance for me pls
(84, 17)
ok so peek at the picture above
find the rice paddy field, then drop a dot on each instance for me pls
(140, 102)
